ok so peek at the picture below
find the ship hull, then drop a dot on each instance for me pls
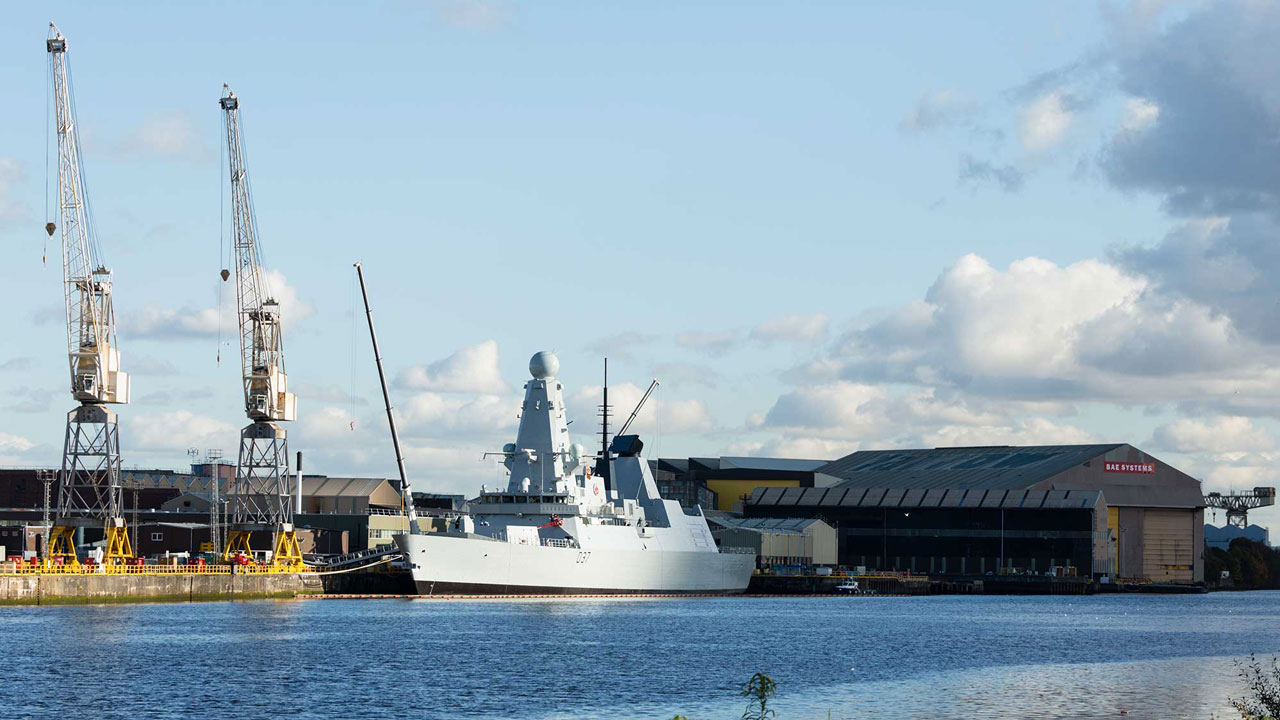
(444, 564)
(426, 587)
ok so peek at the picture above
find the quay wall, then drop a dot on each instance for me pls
(79, 589)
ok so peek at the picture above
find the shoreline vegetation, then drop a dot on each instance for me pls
(1250, 565)
(1263, 702)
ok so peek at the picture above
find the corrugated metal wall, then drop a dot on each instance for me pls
(1168, 553)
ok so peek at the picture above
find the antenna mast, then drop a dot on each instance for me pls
(406, 494)
(602, 468)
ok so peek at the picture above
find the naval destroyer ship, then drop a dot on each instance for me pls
(560, 528)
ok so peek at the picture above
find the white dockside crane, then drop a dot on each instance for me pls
(260, 498)
(89, 482)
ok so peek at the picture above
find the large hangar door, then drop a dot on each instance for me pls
(1168, 539)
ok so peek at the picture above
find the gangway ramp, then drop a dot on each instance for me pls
(358, 559)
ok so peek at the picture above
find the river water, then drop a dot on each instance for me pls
(1145, 656)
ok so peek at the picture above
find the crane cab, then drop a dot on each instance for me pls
(259, 405)
(96, 376)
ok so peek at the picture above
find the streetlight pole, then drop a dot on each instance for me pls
(1120, 562)
(884, 562)
(1001, 542)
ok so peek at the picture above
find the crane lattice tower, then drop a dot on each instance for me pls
(259, 501)
(89, 480)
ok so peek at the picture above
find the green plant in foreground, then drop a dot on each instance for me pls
(1264, 690)
(758, 690)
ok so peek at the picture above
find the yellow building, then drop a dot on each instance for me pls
(731, 480)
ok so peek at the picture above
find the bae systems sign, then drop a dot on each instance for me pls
(1139, 468)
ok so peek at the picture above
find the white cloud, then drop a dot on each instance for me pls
(859, 411)
(1212, 148)
(664, 414)
(472, 369)
(1043, 122)
(830, 420)
(318, 393)
(1039, 332)
(792, 328)
(334, 442)
(174, 432)
(189, 322)
(292, 307)
(999, 356)
(10, 443)
(486, 418)
(1024, 320)
(1218, 435)
(328, 425)
(18, 450)
(1139, 114)
(1224, 474)
(185, 322)
(171, 134)
(806, 448)
(451, 469)
(1029, 431)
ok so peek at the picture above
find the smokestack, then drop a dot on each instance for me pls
(297, 488)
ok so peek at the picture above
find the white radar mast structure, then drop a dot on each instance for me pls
(260, 500)
(542, 461)
(89, 482)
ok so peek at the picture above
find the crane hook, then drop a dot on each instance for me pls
(49, 228)
(225, 274)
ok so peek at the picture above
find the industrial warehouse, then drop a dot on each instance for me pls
(1104, 511)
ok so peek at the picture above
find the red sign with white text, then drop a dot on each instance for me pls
(1123, 467)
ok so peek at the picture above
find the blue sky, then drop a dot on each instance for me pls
(824, 226)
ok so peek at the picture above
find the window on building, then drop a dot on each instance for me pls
(157, 537)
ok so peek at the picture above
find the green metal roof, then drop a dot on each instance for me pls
(995, 467)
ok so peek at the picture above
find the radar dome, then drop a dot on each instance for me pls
(544, 365)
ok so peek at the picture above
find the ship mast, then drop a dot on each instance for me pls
(406, 493)
(602, 467)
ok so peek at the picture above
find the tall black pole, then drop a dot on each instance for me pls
(603, 469)
(406, 494)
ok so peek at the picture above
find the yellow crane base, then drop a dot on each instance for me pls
(237, 542)
(62, 544)
(118, 547)
(286, 555)
(287, 552)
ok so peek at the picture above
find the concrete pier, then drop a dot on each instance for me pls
(65, 589)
